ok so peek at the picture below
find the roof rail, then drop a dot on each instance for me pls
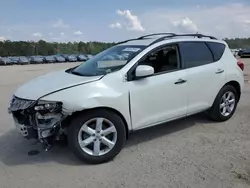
(182, 35)
(126, 41)
(142, 37)
(154, 34)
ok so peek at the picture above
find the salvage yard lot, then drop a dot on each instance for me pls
(193, 152)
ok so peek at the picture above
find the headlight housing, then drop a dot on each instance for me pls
(48, 106)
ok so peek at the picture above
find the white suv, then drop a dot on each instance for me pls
(135, 84)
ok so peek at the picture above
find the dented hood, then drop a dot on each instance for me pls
(52, 82)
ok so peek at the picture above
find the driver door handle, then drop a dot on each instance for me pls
(219, 71)
(180, 81)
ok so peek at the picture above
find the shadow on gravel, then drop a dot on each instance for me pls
(14, 148)
(164, 129)
(14, 151)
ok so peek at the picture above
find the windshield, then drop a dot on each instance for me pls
(108, 61)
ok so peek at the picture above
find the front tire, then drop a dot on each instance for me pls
(225, 104)
(96, 136)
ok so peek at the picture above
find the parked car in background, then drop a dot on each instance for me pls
(23, 60)
(89, 56)
(65, 55)
(235, 52)
(29, 58)
(1, 61)
(36, 59)
(6, 61)
(244, 52)
(71, 58)
(14, 60)
(82, 57)
(59, 58)
(50, 59)
(239, 52)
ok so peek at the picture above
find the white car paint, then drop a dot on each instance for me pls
(144, 102)
(51, 82)
(157, 99)
(203, 85)
(233, 72)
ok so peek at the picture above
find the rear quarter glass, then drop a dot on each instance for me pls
(217, 49)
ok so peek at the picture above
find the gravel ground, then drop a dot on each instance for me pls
(193, 152)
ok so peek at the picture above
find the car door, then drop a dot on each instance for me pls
(205, 74)
(158, 98)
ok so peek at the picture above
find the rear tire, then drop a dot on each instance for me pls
(225, 104)
(95, 129)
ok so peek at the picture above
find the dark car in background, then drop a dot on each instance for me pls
(36, 59)
(23, 60)
(39, 59)
(244, 52)
(50, 59)
(59, 58)
(14, 60)
(29, 58)
(65, 55)
(6, 61)
(71, 58)
(89, 56)
(82, 57)
(1, 61)
(239, 52)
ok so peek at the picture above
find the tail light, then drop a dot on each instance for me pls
(240, 64)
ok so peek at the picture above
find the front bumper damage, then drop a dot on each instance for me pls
(41, 120)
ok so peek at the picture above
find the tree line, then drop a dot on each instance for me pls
(238, 42)
(28, 48)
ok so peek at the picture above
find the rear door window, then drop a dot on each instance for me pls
(217, 49)
(194, 54)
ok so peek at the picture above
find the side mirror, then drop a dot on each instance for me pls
(143, 71)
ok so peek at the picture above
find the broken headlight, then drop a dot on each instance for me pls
(48, 106)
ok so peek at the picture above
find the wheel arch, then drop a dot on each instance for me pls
(73, 115)
(233, 83)
(236, 85)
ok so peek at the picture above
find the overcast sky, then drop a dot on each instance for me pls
(113, 20)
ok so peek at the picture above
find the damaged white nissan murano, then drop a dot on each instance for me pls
(135, 84)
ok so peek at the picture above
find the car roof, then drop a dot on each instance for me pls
(145, 41)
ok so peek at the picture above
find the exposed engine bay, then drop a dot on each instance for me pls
(39, 120)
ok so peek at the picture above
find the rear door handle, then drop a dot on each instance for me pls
(219, 71)
(180, 81)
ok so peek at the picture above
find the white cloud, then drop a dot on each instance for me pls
(228, 20)
(2, 38)
(37, 34)
(247, 21)
(185, 26)
(78, 33)
(50, 34)
(62, 34)
(60, 24)
(115, 25)
(131, 22)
